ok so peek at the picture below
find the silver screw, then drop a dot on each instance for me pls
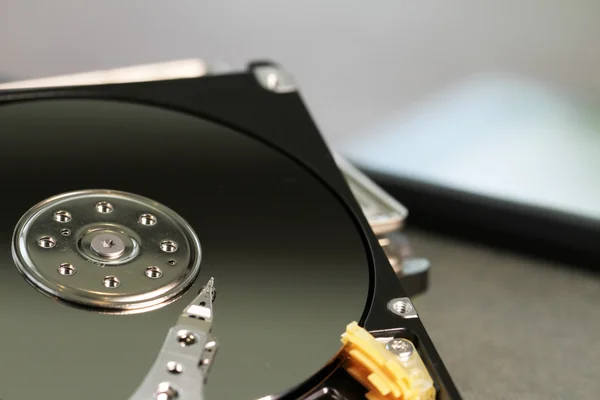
(62, 216)
(154, 272)
(400, 347)
(104, 207)
(209, 346)
(166, 391)
(66, 269)
(174, 367)
(65, 232)
(111, 282)
(274, 78)
(46, 242)
(186, 338)
(168, 246)
(272, 81)
(108, 245)
(147, 219)
(172, 262)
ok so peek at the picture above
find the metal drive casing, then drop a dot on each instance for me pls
(243, 163)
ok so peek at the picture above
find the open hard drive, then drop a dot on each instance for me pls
(133, 197)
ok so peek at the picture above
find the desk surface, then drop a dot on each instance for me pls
(510, 327)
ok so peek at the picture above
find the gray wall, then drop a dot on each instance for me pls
(356, 60)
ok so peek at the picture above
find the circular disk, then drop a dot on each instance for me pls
(290, 268)
(114, 244)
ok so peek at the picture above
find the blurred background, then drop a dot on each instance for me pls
(496, 99)
(357, 63)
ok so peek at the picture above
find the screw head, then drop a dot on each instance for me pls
(147, 219)
(65, 232)
(400, 347)
(46, 242)
(272, 81)
(166, 391)
(66, 269)
(168, 246)
(108, 245)
(186, 338)
(62, 216)
(174, 367)
(154, 272)
(172, 262)
(104, 207)
(111, 282)
(274, 78)
(209, 346)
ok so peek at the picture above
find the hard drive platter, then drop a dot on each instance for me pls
(120, 205)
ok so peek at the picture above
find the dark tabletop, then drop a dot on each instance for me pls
(511, 327)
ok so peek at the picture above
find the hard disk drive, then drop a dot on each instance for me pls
(192, 237)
